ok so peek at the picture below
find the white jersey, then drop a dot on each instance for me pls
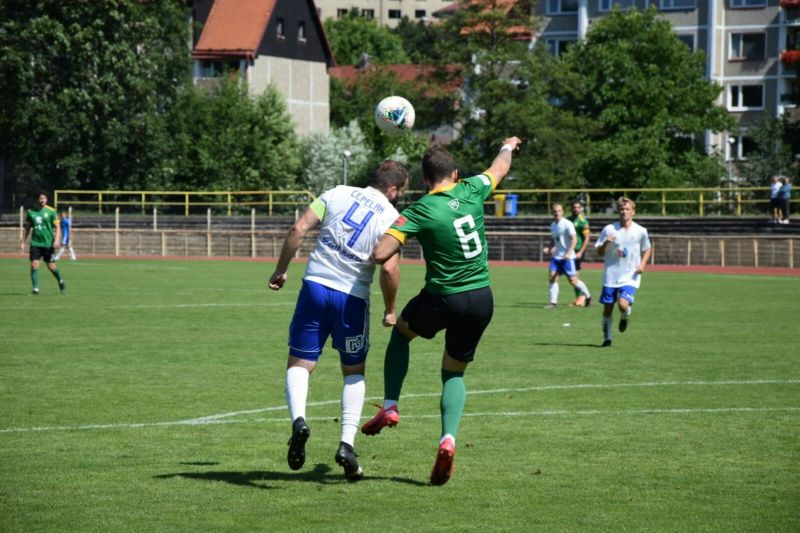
(775, 189)
(353, 221)
(623, 256)
(563, 231)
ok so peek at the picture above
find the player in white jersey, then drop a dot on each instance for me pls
(625, 247)
(563, 257)
(334, 298)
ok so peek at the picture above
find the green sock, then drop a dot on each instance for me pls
(395, 365)
(57, 275)
(577, 292)
(35, 278)
(454, 395)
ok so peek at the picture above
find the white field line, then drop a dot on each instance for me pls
(165, 306)
(221, 417)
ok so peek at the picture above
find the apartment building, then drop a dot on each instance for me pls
(386, 12)
(749, 46)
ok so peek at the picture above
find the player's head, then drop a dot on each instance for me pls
(437, 165)
(64, 214)
(42, 197)
(577, 208)
(391, 178)
(557, 210)
(626, 208)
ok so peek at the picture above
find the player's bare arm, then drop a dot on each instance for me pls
(385, 249)
(573, 242)
(390, 282)
(645, 259)
(292, 242)
(586, 235)
(57, 238)
(24, 239)
(502, 162)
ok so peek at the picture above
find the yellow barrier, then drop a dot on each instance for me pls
(186, 199)
(687, 201)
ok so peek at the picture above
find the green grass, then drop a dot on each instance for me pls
(691, 422)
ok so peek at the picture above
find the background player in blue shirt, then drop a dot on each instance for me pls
(66, 241)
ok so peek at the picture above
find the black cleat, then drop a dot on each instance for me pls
(346, 458)
(623, 324)
(588, 301)
(297, 444)
(62, 287)
(606, 343)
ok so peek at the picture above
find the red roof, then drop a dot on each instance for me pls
(234, 28)
(406, 73)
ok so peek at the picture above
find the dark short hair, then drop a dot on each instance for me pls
(389, 173)
(437, 164)
(40, 193)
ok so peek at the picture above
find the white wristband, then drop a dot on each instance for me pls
(507, 147)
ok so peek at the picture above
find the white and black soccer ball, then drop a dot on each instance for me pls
(394, 114)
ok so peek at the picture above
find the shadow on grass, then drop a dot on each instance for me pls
(260, 479)
(572, 344)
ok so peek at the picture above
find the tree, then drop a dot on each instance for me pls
(324, 158)
(420, 40)
(647, 93)
(85, 87)
(353, 35)
(226, 140)
(773, 152)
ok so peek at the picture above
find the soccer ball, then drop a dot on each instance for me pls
(394, 114)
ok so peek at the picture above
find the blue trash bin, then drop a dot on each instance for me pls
(511, 205)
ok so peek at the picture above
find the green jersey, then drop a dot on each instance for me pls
(43, 223)
(448, 223)
(581, 227)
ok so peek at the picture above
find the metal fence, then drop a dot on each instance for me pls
(751, 251)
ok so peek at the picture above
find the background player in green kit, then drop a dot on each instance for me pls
(43, 224)
(448, 223)
(582, 231)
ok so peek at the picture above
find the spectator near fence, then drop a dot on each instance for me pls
(785, 198)
(774, 198)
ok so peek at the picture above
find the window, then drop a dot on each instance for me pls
(368, 13)
(667, 5)
(559, 46)
(557, 7)
(419, 13)
(791, 92)
(217, 69)
(280, 32)
(748, 3)
(340, 13)
(748, 46)
(301, 31)
(394, 14)
(740, 147)
(607, 5)
(745, 97)
(688, 40)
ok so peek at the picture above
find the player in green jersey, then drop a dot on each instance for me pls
(448, 223)
(43, 224)
(582, 230)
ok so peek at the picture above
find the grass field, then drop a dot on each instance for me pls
(150, 397)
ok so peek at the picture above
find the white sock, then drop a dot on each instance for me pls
(353, 392)
(58, 254)
(389, 403)
(554, 292)
(581, 286)
(296, 391)
(607, 327)
(628, 311)
(72, 254)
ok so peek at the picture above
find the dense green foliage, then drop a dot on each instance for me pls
(353, 35)
(647, 93)
(85, 86)
(151, 397)
(773, 154)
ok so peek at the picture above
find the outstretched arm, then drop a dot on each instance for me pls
(502, 162)
(292, 242)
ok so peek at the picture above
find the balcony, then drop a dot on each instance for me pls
(790, 57)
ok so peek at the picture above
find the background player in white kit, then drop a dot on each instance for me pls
(625, 247)
(334, 298)
(563, 251)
